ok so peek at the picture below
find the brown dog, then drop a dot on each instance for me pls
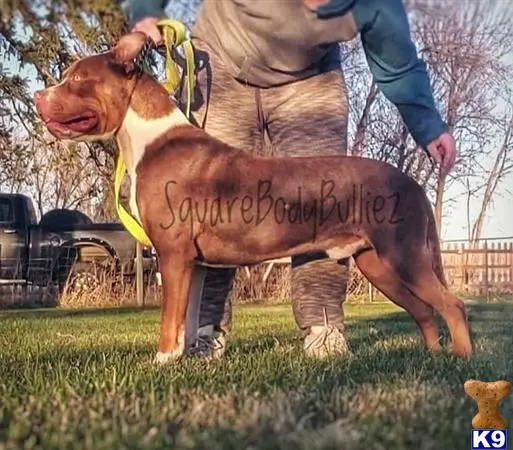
(203, 202)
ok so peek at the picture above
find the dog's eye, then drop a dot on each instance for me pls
(76, 77)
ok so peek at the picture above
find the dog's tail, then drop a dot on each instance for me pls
(433, 243)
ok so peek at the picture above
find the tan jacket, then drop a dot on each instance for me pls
(259, 46)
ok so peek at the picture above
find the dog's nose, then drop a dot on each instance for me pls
(38, 95)
(40, 102)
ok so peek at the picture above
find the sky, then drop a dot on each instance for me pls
(499, 222)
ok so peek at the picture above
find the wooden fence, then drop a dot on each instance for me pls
(484, 268)
(479, 269)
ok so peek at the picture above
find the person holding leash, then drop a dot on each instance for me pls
(273, 84)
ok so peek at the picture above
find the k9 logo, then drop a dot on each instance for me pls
(489, 439)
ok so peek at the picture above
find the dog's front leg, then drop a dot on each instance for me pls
(176, 284)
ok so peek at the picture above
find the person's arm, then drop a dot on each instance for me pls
(141, 9)
(392, 58)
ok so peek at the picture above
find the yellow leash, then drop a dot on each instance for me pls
(174, 35)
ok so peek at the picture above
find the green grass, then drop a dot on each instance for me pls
(85, 379)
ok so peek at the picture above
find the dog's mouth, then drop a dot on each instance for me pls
(79, 123)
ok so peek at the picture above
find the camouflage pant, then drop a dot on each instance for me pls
(303, 118)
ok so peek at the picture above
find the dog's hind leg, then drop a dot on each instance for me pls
(416, 270)
(384, 279)
(427, 286)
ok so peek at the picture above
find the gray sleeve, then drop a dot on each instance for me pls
(139, 9)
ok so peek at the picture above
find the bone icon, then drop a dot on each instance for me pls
(488, 397)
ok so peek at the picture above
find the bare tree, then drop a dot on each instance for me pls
(464, 44)
(501, 167)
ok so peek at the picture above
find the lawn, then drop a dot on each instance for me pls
(85, 379)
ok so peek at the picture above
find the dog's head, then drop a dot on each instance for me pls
(92, 98)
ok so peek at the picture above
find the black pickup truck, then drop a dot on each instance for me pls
(64, 247)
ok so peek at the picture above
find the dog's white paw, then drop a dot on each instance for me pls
(162, 358)
(169, 357)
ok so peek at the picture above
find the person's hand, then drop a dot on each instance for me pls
(149, 27)
(443, 150)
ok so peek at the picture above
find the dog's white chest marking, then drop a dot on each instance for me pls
(135, 134)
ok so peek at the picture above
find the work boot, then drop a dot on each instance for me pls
(209, 344)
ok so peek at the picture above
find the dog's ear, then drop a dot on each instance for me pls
(127, 50)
